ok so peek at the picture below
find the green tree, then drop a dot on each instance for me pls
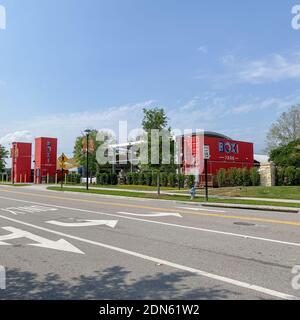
(287, 155)
(80, 155)
(156, 119)
(3, 157)
(285, 130)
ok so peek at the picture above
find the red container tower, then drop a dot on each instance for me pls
(21, 162)
(45, 159)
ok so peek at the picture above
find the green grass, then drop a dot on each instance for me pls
(176, 198)
(285, 192)
(137, 187)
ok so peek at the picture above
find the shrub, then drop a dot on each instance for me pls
(142, 180)
(246, 181)
(233, 177)
(129, 178)
(148, 178)
(172, 180)
(280, 176)
(154, 179)
(254, 177)
(105, 179)
(290, 176)
(135, 178)
(164, 179)
(113, 179)
(221, 177)
(181, 180)
(191, 181)
(297, 176)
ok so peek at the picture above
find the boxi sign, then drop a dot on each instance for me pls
(2, 18)
(228, 147)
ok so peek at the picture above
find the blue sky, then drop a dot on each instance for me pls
(230, 66)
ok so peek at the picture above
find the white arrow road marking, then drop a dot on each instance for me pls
(200, 209)
(28, 209)
(171, 264)
(61, 245)
(85, 223)
(159, 214)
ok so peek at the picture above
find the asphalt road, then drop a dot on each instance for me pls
(78, 246)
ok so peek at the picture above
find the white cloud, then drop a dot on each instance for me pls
(67, 126)
(273, 68)
(269, 69)
(17, 136)
(202, 49)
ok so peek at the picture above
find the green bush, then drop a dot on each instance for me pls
(142, 180)
(148, 178)
(221, 177)
(254, 177)
(154, 179)
(246, 180)
(191, 181)
(297, 176)
(290, 176)
(172, 179)
(129, 178)
(135, 178)
(113, 179)
(181, 180)
(164, 179)
(280, 176)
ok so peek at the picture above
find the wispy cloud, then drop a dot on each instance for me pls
(66, 127)
(202, 49)
(269, 69)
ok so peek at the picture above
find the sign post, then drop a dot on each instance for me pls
(206, 156)
(62, 160)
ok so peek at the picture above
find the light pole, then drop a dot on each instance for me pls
(88, 132)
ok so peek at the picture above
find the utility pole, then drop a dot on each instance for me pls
(87, 131)
(206, 156)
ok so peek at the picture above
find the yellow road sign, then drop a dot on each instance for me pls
(63, 158)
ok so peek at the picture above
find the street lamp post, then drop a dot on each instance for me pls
(88, 132)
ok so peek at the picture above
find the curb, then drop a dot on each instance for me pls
(251, 207)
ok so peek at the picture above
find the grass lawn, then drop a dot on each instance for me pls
(176, 198)
(286, 192)
(137, 187)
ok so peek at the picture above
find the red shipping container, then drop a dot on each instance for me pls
(45, 159)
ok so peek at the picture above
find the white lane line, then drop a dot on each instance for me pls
(200, 209)
(244, 236)
(227, 280)
(159, 214)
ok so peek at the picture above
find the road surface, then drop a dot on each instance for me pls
(57, 245)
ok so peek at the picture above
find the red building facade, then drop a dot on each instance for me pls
(225, 153)
(21, 154)
(45, 159)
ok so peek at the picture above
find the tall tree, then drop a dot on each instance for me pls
(285, 130)
(156, 119)
(287, 155)
(80, 153)
(3, 156)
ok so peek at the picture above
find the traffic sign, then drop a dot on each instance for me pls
(206, 152)
(63, 158)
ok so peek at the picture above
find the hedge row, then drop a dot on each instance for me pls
(288, 176)
(166, 179)
(236, 177)
(107, 179)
